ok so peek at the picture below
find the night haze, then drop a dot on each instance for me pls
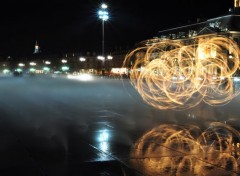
(149, 88)
(73, 26)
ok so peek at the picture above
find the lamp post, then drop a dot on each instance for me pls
(82, 68)
(64, 68)
(32, 69)
(103, 59)
(46, 68)
(103, 15)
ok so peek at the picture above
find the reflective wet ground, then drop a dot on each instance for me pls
(55, 126)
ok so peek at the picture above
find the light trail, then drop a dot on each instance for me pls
(186, 150)
(172, 75)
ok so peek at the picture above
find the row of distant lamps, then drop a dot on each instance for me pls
(104, 16)
(64, 61)
(34, 64)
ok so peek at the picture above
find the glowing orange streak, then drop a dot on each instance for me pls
(195, 153)
(169, 75)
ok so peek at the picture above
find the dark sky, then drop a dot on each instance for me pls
(73, 25)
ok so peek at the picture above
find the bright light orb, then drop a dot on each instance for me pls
(103, 13)
(104, 6)
(81, 77)
(64, 61)
(32, 64)
(109, 57)
(21, 65)
(82, 59)
(101, 58)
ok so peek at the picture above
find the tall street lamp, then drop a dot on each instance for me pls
(82, 68)
(46, 68)
(102, 58)
(103, 15)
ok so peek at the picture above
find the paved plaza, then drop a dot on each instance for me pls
(57, 126)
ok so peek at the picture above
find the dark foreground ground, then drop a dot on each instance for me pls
(55, 126)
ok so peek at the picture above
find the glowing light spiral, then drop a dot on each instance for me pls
(186, 150)
(172, 75)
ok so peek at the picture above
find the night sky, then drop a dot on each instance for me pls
(73, 25)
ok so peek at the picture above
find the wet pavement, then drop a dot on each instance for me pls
(55, 126)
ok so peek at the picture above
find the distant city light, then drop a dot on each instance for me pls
(65, 68)
(101, 58)
(46, 68)
(47, 62)
(104, 6)
(32, 69)
(119, 70)
(32, 63)
(64, 61)
(103, 13)
(6, 71)
(82, 59)
(109, 57)
(21, 65)
(18, 70)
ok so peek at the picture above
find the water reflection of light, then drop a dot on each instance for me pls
(103, 144)
(103, 136)
(103, 140)
(81, 77)
(187, 150)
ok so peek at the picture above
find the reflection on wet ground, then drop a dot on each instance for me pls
(188, 150)
(53, 126)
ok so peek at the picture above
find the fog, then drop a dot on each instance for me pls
(55, 122)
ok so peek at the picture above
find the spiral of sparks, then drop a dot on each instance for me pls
(186, 150)
(172, 75)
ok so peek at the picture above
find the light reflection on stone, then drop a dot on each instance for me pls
(103, 145)
(187, 150)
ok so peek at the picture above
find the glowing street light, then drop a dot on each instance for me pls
(32, 63)
(104, 6)
(102, 58)
(82, 59)
(83, 66)
(32, 70)
(64, 61)
(109, 57)
(21, 65)
(47, 62)
(103, 15)
(65, 68)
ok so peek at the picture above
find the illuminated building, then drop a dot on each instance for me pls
(227, 25)
(37, 49)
